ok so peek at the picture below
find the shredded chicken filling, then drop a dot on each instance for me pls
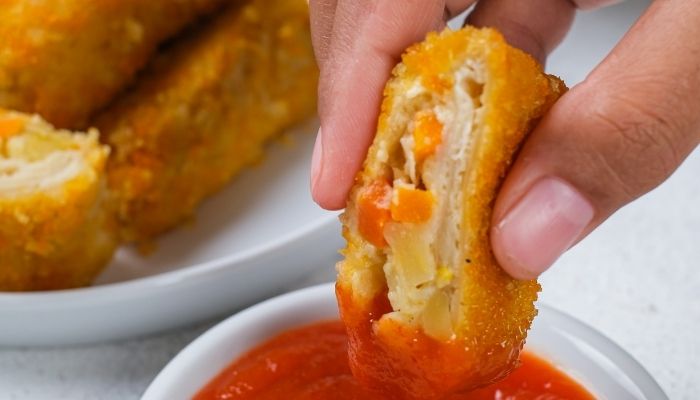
(425, 251)
(37, 159)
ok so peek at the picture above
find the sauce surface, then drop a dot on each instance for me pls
(311, 363)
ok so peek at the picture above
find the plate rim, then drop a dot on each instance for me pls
(28, 300)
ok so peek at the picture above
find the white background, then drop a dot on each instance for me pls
(637, 278)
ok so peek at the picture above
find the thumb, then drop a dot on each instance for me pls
(606, 142)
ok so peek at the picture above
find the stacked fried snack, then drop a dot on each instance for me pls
(56, 228)
(202, 109)
(64, 59)
(428, 309)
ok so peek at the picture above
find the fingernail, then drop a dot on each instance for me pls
(541, 226)
(317, 161)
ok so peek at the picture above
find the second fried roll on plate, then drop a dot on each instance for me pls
(64, 59)
(56, 229)
(428, 309)
(204, 109)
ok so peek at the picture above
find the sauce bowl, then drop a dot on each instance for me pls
(601, 366)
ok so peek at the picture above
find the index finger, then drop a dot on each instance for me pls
(322, 13)
(367, 39)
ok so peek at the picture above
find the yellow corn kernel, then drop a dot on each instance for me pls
(443, 277)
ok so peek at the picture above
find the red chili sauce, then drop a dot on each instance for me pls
(311, 363)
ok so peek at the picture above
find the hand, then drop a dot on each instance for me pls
(609, 140)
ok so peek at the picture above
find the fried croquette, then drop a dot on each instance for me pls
(204, 110)
(56, 230)
(428, 310)
(64, 59)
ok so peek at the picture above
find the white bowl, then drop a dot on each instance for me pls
(245, 245)
(601, 366)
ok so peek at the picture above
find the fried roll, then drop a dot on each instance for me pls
(64, 59)
(205, 109)
(428, 310)
(56, 229)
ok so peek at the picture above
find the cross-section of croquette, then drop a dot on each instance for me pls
(64, 59)
(56, 229)
(428, 310)
(204, 110)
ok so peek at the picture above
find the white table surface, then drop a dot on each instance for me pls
(637, 279)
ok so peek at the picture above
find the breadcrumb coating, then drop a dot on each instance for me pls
(64, 59)
(429, 311)
(56, 229)
(204, 109)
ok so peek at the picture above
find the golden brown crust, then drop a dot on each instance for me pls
(495, 310)
(204, 110)
(65, 59)
(201, 112)
(54, 235)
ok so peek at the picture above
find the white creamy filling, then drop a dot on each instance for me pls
(18, 176)
(422, 259)
(40, 159)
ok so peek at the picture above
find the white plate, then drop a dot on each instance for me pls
(248, 242)
(606, 370)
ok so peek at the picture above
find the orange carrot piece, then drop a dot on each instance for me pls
(412, 205)
(373, 212)
(10, 126)
(427, 135)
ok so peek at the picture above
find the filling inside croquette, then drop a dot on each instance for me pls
(413, 213)
(36, 158)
